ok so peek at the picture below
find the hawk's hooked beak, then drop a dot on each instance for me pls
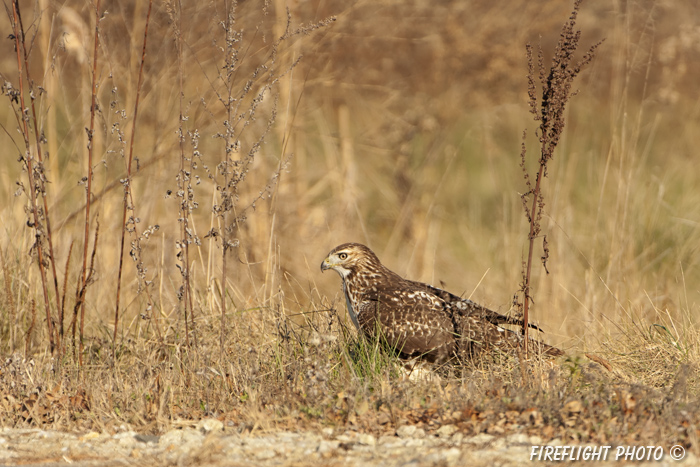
(326, 264)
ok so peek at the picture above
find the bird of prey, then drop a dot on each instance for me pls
(417, 319)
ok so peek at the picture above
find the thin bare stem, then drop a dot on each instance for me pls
(91, 132)
(536, 200)
(65, 283)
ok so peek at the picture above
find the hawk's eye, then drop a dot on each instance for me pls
(342, 255)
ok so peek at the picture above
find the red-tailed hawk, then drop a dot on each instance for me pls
(417, 319)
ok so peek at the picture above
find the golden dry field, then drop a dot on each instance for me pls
(397, 124)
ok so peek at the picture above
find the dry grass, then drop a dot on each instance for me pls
(404, 124)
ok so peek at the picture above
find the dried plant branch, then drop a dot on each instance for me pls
(234, 170)
(34, 174)
(80, 299)
(231, 62)
(41, 176)
(184, 181)
(128, 197)
(549, 112)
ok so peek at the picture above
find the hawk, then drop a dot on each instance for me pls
(417, 319)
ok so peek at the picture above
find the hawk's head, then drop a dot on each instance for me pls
(350, 257)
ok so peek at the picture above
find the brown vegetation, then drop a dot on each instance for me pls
(265, 137)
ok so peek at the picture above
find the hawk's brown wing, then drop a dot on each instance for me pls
(466, 306)
(413, 322)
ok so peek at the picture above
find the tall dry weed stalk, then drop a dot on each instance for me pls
(549, 112)
(241, 99)
(129, 225)
(82, 289)
(39, 216)
(185, 189)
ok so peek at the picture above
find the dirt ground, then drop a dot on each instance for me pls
(209, 443)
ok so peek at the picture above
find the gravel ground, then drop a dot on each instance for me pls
(208, 444)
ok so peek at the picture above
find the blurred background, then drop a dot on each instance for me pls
(400, 128)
